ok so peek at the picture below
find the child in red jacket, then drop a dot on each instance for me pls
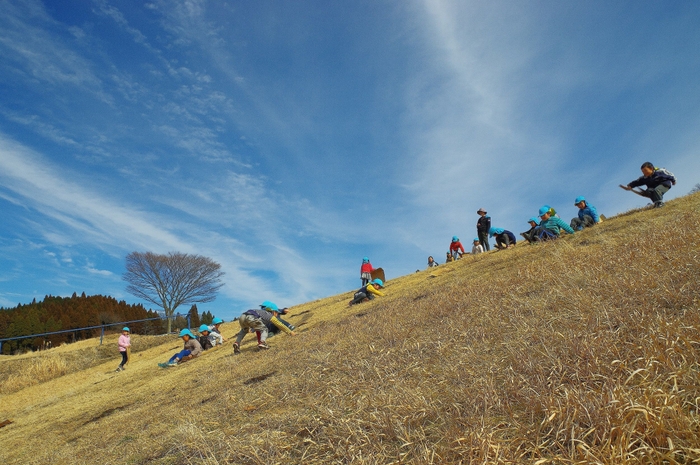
(456, 248)
(366, 271)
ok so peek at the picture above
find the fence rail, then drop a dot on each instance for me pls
(102, 333)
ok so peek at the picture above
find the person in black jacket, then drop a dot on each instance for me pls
(482, 229)
(657, 180)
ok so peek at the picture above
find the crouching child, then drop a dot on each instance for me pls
(504, 238)
(272, 329)
(258, 321)
(657, 180)
(191, 349)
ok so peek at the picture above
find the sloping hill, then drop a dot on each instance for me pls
(586, 350)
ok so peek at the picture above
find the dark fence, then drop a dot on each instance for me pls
(101, 327)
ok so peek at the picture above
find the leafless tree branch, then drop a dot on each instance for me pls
(171, 280)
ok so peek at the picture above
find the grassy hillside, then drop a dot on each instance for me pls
(586, 350)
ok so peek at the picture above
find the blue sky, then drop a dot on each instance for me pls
(287, 140)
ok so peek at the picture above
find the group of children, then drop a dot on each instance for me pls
(547, 225)
(209, 337)
(263, 322)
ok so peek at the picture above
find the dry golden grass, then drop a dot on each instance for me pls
(586, 350)
(20, 371)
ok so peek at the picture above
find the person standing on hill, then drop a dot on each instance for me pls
(124, 343)
(482, 228)
(366, 271)
(587, 215)
(456, 248)
(657, 180)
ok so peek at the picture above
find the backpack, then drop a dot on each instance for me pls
(667, 173)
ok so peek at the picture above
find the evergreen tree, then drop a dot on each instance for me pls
(207, 318)
(194, 316)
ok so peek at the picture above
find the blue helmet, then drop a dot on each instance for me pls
(378, 282)
(476, 239)
(217, 321)
(270, 306)
(265, 304)
(126, 328)
(186, 332)
(543, 210)
(203, 328)
(579, 199)
(455, 239)
(534, 220)
(365, 260)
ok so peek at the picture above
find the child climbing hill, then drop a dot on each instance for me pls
(258, 321)
(456, 248)
(368, 292)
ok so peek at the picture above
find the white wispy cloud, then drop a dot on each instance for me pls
(39, 181)
(41, 56)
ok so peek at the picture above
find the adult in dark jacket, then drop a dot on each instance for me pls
(483, 225)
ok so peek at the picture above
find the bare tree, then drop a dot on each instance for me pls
(171, 280)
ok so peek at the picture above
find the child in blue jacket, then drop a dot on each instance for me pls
(587, 215)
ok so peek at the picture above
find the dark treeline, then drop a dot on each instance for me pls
(62, 313)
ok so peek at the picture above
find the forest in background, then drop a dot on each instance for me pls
(66, 313)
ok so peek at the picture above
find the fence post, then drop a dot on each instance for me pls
(188, 321)
(102, 334)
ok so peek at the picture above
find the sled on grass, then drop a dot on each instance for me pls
(379, 274)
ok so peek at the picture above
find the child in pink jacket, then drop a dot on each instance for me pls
(124, 344)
